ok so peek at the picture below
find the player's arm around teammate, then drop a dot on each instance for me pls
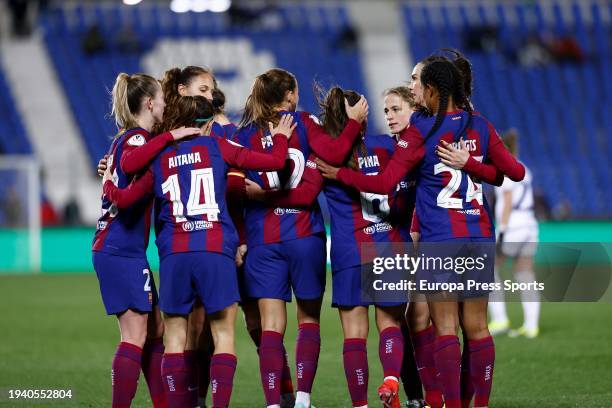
(119, 258)
(176, 298)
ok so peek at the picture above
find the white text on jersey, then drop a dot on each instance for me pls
(182, 159)
(368, 161)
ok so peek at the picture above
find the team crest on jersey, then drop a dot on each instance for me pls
(402, 143)
(199, 225)
(378, 227)
(102, 225)
(136, 140)
(266, 141)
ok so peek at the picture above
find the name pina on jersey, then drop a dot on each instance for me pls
(368, 161)
(183, 159)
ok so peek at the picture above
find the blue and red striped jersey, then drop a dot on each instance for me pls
(358, 217)
(266, 224)
(223, 131)
(124, 232)
(190, 208)
(449, 202)
(189, 182)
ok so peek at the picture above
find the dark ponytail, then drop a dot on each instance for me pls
(441, 75)
(334, 117)
(446, 78)
(218, 100)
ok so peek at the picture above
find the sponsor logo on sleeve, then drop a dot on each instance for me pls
(311, 164)
(136, 140)
(402, 143)
(315, 119)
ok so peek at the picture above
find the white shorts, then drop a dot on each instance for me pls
(520, 242)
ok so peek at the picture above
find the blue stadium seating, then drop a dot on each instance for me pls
(13, 137)
(302, 41)
(563, 111)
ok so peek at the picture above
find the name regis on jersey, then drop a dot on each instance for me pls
(183, 159)
(471, 145)
(368, 161)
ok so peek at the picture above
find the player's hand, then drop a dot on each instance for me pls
(107, 175)
(183, 132)
(451, 156)
(254, 191)
(240, 255)
(328, 171)
(285, 126)
(359, 111)
(102, 165)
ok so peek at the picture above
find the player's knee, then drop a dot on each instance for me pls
(355, 331)
(446, 328)
(137, 338)
(175, 341)
(476, 328)
(275, 323)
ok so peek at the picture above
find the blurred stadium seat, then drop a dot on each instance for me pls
(301, 39)
(13, 137)
(561, 109)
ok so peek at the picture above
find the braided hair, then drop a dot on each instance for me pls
(444, 75)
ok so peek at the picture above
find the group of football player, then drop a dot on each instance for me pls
(237, 222)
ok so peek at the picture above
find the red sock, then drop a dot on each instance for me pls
(447, 356)
(356, 370)
(286, 381)
(308, 345)
(271, 365)
(391, 351)
(467, 388)
(482, 359)
(423, 342)
(222, 369)
(152, 354)
(175, 376)
(192, 376)
(124, 374)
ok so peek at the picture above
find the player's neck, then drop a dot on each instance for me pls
(145, 122)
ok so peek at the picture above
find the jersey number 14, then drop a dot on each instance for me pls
(202, 181)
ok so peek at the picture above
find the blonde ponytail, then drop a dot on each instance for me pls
(127, 96)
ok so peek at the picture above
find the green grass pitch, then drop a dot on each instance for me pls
(54, 334)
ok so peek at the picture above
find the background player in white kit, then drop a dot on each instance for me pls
(518, 240)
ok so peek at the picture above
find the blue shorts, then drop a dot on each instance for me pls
(346, 290)
(272, 270)
(125, 283)
(474, 281)
(207, 275)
